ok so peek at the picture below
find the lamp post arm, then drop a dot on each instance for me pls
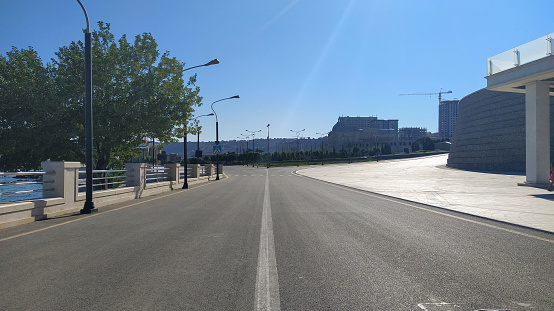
(212, 62)
(87, 30)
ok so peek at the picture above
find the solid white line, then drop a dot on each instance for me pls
(267, 283)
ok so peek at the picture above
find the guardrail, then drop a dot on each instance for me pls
(103, 179)
(64, 193)
(18, 184)
(156, 174)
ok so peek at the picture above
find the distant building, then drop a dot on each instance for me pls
(411, 133)
(363, 132)
(448, 113)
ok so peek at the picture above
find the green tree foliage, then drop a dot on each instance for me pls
(137, 93)
(386, 149)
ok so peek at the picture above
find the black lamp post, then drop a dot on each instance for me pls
(321, 135)
(185, 162)
(253, 133)
(185, 151)
(89, 204)
(268, 154)
(297, 144)
(217, 132)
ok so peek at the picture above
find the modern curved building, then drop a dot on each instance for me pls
(490, 132)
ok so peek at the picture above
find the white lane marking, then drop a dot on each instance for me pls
(267, 283)
(438, 306)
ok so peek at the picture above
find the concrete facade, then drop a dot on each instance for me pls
(490, 132)
(448, 114)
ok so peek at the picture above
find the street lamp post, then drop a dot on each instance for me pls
(321, 136)
(198, 152)
(253, 133)
(185, 152)
(89, 204)
(217, 131)
(268, 154)
(297, 143)
(246, 138)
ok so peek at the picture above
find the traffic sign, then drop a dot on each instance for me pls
(217, 149)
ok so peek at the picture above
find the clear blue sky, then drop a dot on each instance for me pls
(300, 64)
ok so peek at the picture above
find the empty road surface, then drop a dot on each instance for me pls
(267, 239)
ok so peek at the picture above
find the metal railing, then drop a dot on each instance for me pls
(20, 188)
(182, 172)
(102, 179)
(156, 174)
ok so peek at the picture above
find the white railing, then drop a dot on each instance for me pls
(156, 174)
(523, 54)
(20, 188)
(182, 172)
(30, 185)
(103, 179)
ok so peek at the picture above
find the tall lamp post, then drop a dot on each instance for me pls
(217, 132)
(269, 155)
(253, 133)
(89, 204)
(185, 151)
(297, 143)
(246, 137)
(198, 152)
(321, 135)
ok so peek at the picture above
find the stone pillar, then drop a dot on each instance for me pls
(173, 171)
(537, 131)
(136, 175)
(221, 169)
(61, 180)
(195, 170)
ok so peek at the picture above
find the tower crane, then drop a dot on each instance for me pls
(440, 94)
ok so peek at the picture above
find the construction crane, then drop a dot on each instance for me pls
(440, 94)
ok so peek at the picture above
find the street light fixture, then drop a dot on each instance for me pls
(89, 204)
(321, 136)
(212, 62)
(198, 152)
(185, 151)
(269, 155)
(253, 133)
(297, 145)
(185, 184)
(217, 131)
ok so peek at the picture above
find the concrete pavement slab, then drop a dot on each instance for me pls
(427, 180)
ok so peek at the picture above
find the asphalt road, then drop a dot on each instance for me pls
(266, 239)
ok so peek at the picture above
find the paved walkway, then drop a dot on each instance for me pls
(428, 180)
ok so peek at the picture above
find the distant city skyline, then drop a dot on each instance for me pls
(301, 64)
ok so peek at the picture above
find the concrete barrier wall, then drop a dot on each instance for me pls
(490, 132)
(63, 198)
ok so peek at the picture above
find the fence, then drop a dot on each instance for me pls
(60, 187)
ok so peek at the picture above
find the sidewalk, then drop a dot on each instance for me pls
(427, 180)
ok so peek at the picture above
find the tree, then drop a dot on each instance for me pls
(427, 143)
(33, 125)
(137, 94)
(415, 146)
